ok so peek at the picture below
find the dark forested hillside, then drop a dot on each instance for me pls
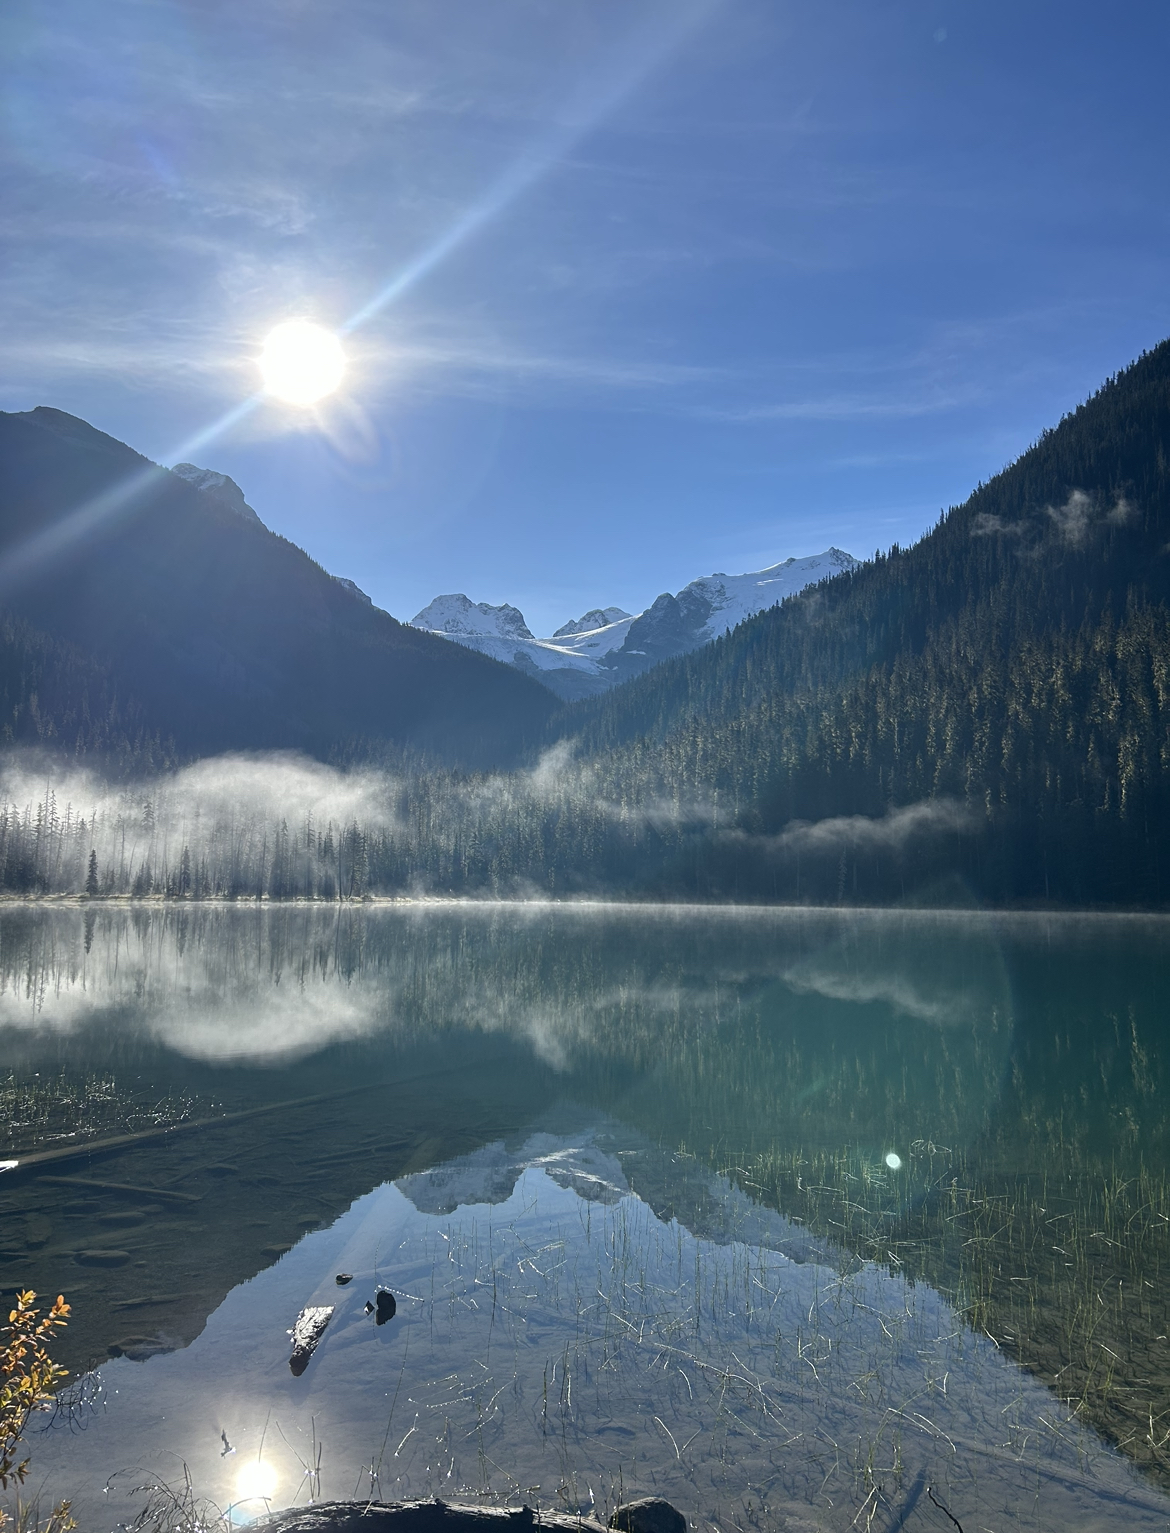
(1016, 661)
(1077, 525)
(228, 636)
(56, 698)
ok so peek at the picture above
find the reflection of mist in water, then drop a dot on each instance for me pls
(563, 1342)
(730, 1029)
(254, 983)
(949, 971)
(211, 985)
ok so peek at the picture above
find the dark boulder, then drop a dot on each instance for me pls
(649, 1515)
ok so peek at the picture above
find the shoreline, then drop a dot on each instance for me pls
(577, 903)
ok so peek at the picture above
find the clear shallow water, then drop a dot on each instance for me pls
(626, 1172)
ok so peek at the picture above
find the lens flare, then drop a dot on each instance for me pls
(302, 362)
(894, 1161)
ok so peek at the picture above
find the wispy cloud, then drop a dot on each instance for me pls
(842, 407)
(1073, 521)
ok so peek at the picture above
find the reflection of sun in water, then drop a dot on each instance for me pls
(302, 362)
(256, 1481)
(894, 1161)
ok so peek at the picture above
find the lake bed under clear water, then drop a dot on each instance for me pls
(803, 1219)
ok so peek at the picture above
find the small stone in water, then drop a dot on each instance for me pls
(343, 1278)
(369, 1308)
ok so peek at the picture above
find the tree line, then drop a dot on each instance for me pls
(990, 706)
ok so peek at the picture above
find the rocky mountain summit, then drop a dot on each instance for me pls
(600, 617)
(457, 616)
(607, 645)
(224, 491)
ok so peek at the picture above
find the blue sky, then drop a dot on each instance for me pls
(732, 279)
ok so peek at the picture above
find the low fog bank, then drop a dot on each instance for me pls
(283, 826)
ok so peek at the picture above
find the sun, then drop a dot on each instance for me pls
(301, 362)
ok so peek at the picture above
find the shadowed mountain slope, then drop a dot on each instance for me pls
(228, 636)
(1015, 662)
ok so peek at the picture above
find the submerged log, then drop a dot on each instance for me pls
(306, 1333)
(125, 1189)
(429, 1517)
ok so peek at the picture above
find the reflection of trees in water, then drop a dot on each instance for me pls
(1020, 1082)
(1051, 1229)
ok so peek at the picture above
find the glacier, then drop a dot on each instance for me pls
(607, 645)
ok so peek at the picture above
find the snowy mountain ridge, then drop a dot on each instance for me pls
(218, 487)
(607, 645)
(458, 617)
(600, 617)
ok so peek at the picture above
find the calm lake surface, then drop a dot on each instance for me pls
(800, 1219)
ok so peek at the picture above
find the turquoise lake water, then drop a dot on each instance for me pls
(801, 1219)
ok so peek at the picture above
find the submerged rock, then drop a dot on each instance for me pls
(650, 1514)
(102, 1258)
(37, 1230)
(306, 1333)
(343, 1278)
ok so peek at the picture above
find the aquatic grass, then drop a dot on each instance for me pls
(738, 1383)
(168, 1507)
(1064, 1273)
(42, 1110)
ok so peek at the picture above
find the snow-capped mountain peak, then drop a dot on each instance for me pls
(735, 597)
(600, 617)
(458, 615)
(608, 644)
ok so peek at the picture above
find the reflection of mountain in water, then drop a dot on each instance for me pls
(602, 1162)
(490, 1174)
(1011, 1068)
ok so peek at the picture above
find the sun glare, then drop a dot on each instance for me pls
(301, 362)
(255, 1482)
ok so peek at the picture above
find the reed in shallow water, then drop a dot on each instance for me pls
(1064, 1271)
